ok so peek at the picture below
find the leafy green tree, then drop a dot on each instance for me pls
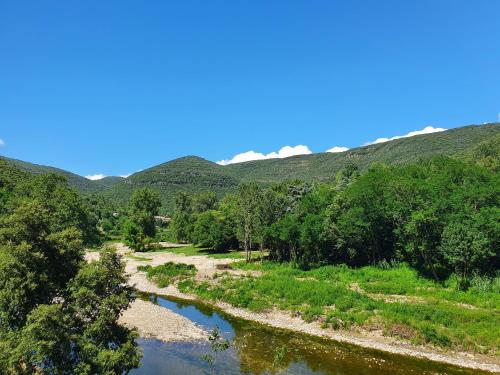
(204, 201)
(183, 217)
(467, 249)
(346, 176)
(144, 205)
(65, 206)
(213, 230)
(140, 229)
(284, 239)
(58, 315)
(134, 236)
(97, 296)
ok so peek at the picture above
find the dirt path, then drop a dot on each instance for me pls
(207, 267)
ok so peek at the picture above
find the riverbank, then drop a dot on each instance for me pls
(153, 321)
(208, 269)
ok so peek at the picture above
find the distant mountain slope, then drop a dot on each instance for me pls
(189, 174)
(194, 174)
(81, 183)
(324, 166)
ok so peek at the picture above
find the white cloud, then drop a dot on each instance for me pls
(94, 177)
(125, 175)
(338, 149)
(284, 152)
(2, 142)
(426, 130)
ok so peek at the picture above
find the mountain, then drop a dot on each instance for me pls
(194, 174)
(81, 183)
(189, 174)
(324, 166)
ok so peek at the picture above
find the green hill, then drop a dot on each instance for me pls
(81, 183)
(194, 174)
(190, 174)
(324, 166)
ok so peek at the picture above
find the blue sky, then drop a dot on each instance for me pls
(112, 87)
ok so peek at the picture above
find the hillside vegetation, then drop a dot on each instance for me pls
(193, 174)
(83, 184)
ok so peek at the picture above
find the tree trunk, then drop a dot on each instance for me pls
(429, 263)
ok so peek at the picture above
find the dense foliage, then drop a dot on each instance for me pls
(80, 183)
(140, 229)
(58, 314)
(440, 215)
(194, 175)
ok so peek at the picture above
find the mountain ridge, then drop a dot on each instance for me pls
(195, 174)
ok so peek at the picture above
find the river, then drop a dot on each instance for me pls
(257, 349)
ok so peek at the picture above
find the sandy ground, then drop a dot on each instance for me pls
(153, 321)
(375, 340)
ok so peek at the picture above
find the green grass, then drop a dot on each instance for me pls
(341, 297)
(138, 257)
(191, 250)
(168, 273)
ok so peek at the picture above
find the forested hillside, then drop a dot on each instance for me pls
(193, 174)
(83, 184)
(324, 166)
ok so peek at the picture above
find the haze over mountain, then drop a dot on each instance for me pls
(195, 174)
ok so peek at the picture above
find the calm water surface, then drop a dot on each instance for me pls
(254, 350)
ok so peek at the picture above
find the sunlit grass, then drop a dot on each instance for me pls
(168, 273)
(191, 250)
(342, 297)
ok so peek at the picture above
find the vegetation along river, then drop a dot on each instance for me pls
(258, 349)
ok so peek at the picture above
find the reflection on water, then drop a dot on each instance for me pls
(254, 351)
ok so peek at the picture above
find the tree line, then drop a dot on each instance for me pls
(440, 215)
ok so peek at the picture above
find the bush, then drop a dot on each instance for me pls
(167, 273)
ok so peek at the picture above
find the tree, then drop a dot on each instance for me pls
(144, 205)
(183, 217)
(212, 230)
(58, 315)
(97, 296)
(134, 236)
(140, 228)
(466, 248)
(271, 206)
(65, 206)
(248, 210)
(204, 201)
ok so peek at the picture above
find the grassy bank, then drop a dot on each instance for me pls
(191, 250)
(168, 273)
(395, 301)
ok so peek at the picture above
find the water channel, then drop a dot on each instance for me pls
(257, 349)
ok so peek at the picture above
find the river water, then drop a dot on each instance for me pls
(257, 349)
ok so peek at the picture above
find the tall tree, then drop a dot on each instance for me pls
(144, 205)
(183, 217)
(248, 213)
